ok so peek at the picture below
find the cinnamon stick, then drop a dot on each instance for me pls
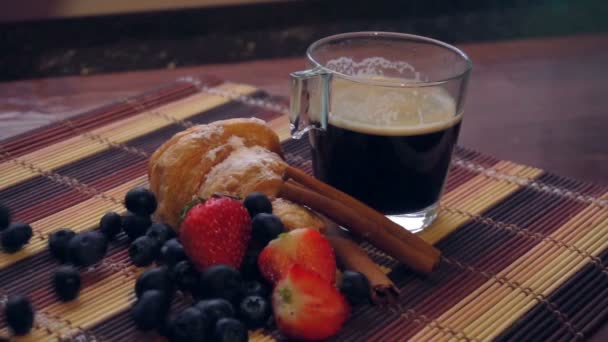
(360, 225)
(403, 234)
(352, 257)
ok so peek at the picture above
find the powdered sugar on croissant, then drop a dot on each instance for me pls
(246, 170)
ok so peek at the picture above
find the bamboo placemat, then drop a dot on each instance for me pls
(525, 251)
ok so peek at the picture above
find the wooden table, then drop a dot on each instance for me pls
(542, 102)
(538, 102)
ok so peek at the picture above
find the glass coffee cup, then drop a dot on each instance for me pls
(382, 112)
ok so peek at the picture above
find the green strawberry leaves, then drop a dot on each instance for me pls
(189, 206)
(197, 200)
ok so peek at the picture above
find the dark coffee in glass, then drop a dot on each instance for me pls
(391, 173)
(383, 112)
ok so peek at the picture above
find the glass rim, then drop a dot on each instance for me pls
(412, 37)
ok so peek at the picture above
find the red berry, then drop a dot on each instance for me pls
(307, 307)
(216, 232)
(306, 247)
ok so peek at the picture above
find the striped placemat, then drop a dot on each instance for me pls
(525, 252)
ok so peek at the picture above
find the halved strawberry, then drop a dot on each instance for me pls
(307, 307)
(306, 247)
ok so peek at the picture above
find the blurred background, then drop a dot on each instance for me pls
(43, 38)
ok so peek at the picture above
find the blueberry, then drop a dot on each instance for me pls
(270, 323)
(143, 251)
(257, 202)
(249, 266)
(172, 252)
(5, 217)
(110, 224)
(135, 225)
(66, 283)
(157, 278)
(266, 227)
(161, 232)
(58, 243)
(187, 277)
(215, 309)
(188, 325)
(355, 287)
(15, 237)
(140, 201)
(230, 330)
(254, 311)
(150, 310)
(221, 281)
(19, 314)
(86, 249)
(254, 288)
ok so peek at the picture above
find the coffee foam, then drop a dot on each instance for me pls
(375, 66)
(390, 106)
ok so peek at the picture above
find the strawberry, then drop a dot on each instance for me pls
(216, 231)
(307, 307)
(304, 246)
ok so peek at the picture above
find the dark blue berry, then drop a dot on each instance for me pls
(355, 287)
(257, 202)
(187, 277)
(254, 288)
(58, 243)
(143, 251)
(16, 236)
(266, 227)
(88, 248)
(135, 225)
(110, 224)
(19, 314)
(140, 201)
(5, 217)
(161, 232)
(254, 311)
(157, 278)
(249, 266)
(188, 325)
(172, 252)
(215, 309)
(150, 310)
(221, 281)
(230, 330)
(66, 283)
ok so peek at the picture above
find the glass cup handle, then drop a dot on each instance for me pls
(309, 101)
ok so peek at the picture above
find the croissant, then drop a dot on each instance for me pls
(200, 161)
(295, 216)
